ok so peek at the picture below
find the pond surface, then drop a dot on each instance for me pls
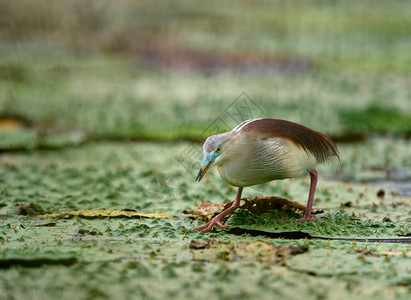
(98, 244)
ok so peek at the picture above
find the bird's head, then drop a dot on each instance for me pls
(214, 149)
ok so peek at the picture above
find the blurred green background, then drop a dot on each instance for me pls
(73, 70)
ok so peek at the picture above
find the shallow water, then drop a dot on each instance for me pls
(403, 187)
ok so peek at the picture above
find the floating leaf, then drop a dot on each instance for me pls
(105, 213)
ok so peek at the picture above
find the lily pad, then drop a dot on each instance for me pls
(332, 225)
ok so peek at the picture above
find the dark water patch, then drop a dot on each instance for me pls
(36, 263)
(295, 235)
(286, 235)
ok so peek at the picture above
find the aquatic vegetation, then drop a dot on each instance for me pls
(94, 196)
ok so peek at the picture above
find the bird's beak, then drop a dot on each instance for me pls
(207, 163)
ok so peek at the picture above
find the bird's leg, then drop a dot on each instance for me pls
(307, 214)
(217, 219)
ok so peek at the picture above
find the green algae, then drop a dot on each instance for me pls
(377, 119)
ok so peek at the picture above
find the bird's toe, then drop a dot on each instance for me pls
(200, 228)
(221, 225)
(306, 219)
(207, 227)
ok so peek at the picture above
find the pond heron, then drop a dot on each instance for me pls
(261, 150)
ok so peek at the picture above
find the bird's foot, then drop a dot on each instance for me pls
(217, 219)
(207, 227)
(306, 219)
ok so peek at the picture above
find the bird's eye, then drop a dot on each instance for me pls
(218, 150)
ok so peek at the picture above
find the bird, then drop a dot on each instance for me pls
(262, 150)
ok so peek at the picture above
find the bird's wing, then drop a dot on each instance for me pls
(313, 142)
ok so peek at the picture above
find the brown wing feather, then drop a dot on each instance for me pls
(314, 142)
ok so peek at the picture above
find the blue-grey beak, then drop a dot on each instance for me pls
(208, 162)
